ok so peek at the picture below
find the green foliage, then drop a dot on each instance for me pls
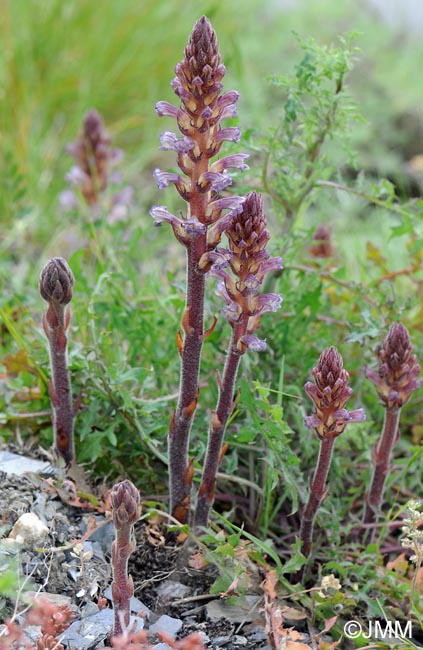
(130, 285)
(316, 108)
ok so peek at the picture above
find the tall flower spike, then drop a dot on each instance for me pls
(56, 282)
(125, 500)
(330, 393)
(198, 86)
(395, 380)
(93, 155)
(249, 262)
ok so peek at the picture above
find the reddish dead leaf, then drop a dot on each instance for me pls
(329, 623)
(291, 614)
(269, 584)
(419, 579)
(232, 589)
(197, 561)
(399, 565)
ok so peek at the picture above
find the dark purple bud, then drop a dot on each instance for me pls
(396, 378)
(330, 394)
(125, 500)
(56, 281)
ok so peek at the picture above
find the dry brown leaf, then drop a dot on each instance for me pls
(197, 561)
(399, 565)
(155, 535)
(292, 614)
(17, 363)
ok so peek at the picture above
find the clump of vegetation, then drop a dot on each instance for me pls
(262, 517)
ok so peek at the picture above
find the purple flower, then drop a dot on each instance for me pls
(266, 302)
(161, 214)
(164, 178)
(169, 140)
(165, 109)
(233, 203)
(230, 134)
(253, 343)
(76, 177)
(217, 181)
(273, 264)
(235, 161)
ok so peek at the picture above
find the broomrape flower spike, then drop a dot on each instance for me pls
(94, 156)
(56, 282)
(125, 500)
(330, 393)
(249, 262)
(202, 107)
(396, 379)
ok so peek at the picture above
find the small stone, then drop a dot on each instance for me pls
(239, 640)
(136, 605)
(217, 609)
(29, 530)
(166, 624)
(171, 590)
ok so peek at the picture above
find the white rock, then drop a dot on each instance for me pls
(29, 530)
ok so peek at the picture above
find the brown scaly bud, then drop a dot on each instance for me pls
(249, 262)
(93, 155)
(330, 393)
(125, 500)
(322, 245)
(396, 377)
(56, 281)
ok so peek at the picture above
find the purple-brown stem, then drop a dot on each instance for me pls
(249, 262)
(198, 85)
(318, 491)
(381, 457)
(56, 283)
(125, 500)
(217, 430)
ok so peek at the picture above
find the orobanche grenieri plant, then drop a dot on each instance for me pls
(249, 262)
(203, 106)
(330, 393)
(395, 380)
(56, 284)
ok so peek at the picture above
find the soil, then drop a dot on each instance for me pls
(82, 573)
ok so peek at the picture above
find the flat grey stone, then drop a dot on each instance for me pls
(16, 464)
(135, 604)
(166, 624)
(234, 613)
(87, 633)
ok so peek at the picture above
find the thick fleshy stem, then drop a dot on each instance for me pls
(249, 262)
(56, 282)
(125, 500)
(395, 381)
(330, 393)
(198, 85)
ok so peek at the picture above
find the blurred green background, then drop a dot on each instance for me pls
(59, 59)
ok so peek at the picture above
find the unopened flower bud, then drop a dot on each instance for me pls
(125, 500)
(56, 281)
(330, 393)
(396, 378)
